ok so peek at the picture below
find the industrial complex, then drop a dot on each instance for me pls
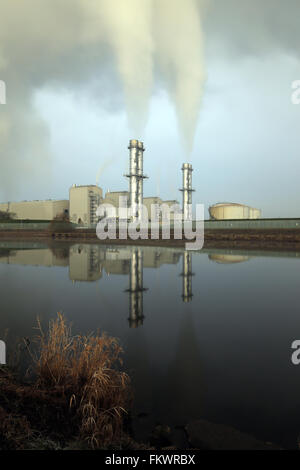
(83, 201)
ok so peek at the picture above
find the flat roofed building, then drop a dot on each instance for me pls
(36, 210)
(113, 197)
(84, 201)
(152, 201)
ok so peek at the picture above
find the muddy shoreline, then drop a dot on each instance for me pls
(277, 240)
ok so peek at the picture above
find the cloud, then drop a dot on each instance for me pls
(77, 43)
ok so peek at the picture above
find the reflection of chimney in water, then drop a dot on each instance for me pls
(136, 289)
(187, 274)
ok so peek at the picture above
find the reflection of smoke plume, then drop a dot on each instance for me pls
(70, 41)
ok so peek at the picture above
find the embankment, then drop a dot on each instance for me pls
(274, 239)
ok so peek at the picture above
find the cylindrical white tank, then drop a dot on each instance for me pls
(227, 259)
(231, 211)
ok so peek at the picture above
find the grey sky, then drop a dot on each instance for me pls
(247, 138)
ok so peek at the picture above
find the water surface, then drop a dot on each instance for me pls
(206, 335)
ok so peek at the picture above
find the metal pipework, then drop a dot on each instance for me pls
(187, 274)
(136, 178)
(136, 290)
(187, 190)
(141, 177)
(133, 177)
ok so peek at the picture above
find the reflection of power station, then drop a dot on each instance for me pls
(85, 263)
(136, 289)
(227, 259)
(187, 274)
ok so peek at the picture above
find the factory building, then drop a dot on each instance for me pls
(36, 210)
(84, 201)
(116, 199)
(113, 197)
(231, 211)
(148, 202)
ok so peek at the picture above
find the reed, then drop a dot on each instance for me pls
(85, 370)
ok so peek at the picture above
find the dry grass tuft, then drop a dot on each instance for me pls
(85, 370)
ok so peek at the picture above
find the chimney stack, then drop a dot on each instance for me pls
(187, 190)
(136, 178)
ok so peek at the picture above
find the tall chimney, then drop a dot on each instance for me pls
(136, 178)
(187, 190)
(141, 178)
(133, 177)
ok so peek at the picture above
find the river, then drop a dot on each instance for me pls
(205, 334)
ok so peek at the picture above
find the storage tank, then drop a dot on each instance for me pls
(231, 211)
(227, 259)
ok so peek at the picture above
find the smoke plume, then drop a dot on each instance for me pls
(66, 43)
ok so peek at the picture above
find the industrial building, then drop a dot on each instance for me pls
(230, 211)
(36, 210)
(84, 200)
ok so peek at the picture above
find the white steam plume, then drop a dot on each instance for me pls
(69, 42)
(179, 42)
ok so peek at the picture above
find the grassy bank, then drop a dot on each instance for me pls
(77, 396)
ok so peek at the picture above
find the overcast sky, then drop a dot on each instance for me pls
(66, 117)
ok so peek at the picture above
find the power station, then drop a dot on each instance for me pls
(83, 201)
